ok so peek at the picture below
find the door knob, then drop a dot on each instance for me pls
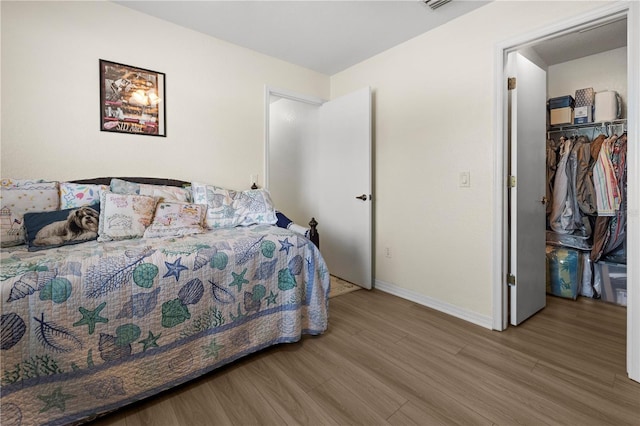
(362, 197)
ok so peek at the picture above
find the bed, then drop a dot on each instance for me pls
(91, 327)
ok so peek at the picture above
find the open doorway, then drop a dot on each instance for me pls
(546, 37)
(318, 163)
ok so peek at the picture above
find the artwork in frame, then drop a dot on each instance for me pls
(132, 100)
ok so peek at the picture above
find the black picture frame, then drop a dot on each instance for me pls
(132, 100)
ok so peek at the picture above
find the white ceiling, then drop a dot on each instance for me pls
(325, 36)
(330, 36)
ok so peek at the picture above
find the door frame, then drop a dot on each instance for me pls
(282, 93)
(500, 225)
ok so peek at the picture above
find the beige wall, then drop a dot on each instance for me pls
(434, 117)
(604, 71)
(50, 96)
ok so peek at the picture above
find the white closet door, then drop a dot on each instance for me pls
(527, 212)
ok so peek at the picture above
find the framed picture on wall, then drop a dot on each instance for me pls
(132, 100)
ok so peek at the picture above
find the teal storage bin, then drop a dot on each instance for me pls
(564, 271)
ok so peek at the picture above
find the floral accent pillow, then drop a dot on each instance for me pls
(166, 192)
(228, 208)
(20, 196)
(124, 216)
(175, 219)
(74, 195)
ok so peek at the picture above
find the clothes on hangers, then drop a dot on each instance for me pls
(610, 229)
(552, 166)
(605, 180)
(561, 217)
(585, 191)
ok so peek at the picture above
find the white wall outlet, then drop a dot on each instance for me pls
(464, 179)
(387, 252)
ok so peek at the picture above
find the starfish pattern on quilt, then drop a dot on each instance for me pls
(239, 279)
(212, 350)
(285, 245)
(174, 269)
(56, 399)
(150, 342)
(271, 298)
(91, 318)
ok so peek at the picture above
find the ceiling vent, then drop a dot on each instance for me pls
(434, 4)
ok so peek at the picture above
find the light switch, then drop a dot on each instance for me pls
(464, 180)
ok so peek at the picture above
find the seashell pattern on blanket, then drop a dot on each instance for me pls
(117, 321)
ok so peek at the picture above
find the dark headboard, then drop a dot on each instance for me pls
(147, 180)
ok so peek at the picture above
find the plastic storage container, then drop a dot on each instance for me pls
(612, 279)
(564, 271)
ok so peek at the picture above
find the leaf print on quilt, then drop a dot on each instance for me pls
(265, 270)
(139, 305)
(221, 294)
(246, 249)
(174, 312)
(112, 272)
(54, 337)
(12, 328)
(286, 281)
(268, 248)
(191, 292)
(29, 283)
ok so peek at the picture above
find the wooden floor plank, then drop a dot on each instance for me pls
(386, 360)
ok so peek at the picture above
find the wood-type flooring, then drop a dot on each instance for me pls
(389, 361)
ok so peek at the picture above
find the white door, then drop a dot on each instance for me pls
(317, 162)
(528, 166)
(344, 197)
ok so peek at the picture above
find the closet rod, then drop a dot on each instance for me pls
(563, 128)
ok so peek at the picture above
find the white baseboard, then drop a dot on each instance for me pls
(438, 305)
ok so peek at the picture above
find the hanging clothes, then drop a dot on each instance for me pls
(552, 163)
(605, 181)
(610, 228)
(618, 223)
(579, 224)
(561, 214)
(585, 191)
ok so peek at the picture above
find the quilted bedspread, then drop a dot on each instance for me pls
(91, 327)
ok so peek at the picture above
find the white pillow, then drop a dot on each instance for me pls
(175, 219)
(227, 208)
(74, 195)
(167, 192)
(20, 196)
(124, 216)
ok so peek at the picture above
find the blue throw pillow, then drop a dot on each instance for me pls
(283, 221)
(61, 227)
